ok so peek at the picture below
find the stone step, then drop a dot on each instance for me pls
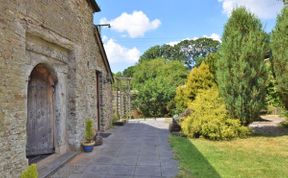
(51, 164)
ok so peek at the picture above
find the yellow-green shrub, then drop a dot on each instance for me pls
(30, 172)
(209, 118)
(200, 78)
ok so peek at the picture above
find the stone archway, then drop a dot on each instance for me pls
(41, 111)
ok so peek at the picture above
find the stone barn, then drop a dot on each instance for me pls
(54, 75)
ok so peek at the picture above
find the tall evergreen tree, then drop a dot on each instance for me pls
(241, 74)
(279, 46)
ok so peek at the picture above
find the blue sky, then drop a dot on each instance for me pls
(139, 25)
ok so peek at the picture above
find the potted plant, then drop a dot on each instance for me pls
(30, 172)
(88, 143)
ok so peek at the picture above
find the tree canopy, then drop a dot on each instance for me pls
(189, 52)
(156, 81)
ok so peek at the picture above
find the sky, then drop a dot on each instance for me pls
(137, 25)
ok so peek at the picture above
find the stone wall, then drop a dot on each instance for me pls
(59, 34)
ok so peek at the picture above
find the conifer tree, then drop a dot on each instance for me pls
(279, 46)
(241, 74)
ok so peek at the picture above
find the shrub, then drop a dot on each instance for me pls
(89, 131)
(199, 78)
(30, 172)
(241, 72)
(181, 98)
(279, 43)
(209, 118)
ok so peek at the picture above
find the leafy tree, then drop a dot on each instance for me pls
(129, 71)
(279, 46)
(195, 50)
(241, 72)
(199, 78)
(164, 51)
(190, 52)
(156, 81)
(152, 53)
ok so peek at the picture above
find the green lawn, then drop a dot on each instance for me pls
(254, 157)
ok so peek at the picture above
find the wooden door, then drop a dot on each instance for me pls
(40, 123)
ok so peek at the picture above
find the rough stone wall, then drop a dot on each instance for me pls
(108, 105)
(61, 35)
(106, 92)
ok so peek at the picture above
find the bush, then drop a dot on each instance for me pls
(209, 118)
(181, 98)
(199, 78)
(89, 131)
(30, 172)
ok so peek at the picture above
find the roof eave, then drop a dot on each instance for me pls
(95, 6)
(103, 52)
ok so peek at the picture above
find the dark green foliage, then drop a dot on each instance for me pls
(30, 172)
(279, 46)
(273, 101)
(89, 131)
(189, 52)
(241, 74)
(156, 81)
(165, 51)
(129, 71)
(209, 118)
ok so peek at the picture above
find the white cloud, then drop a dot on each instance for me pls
(264, 9)
(213, 36)
(173, 43)
(135, 24)
(104, 38)
(118, 54)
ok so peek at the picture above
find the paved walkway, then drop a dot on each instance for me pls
(140, 149)
(270, 125)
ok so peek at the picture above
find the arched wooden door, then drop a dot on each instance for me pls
(41, 117)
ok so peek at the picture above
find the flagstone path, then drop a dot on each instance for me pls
(140, 149)
(270, 125)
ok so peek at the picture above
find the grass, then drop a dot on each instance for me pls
(254, 157)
